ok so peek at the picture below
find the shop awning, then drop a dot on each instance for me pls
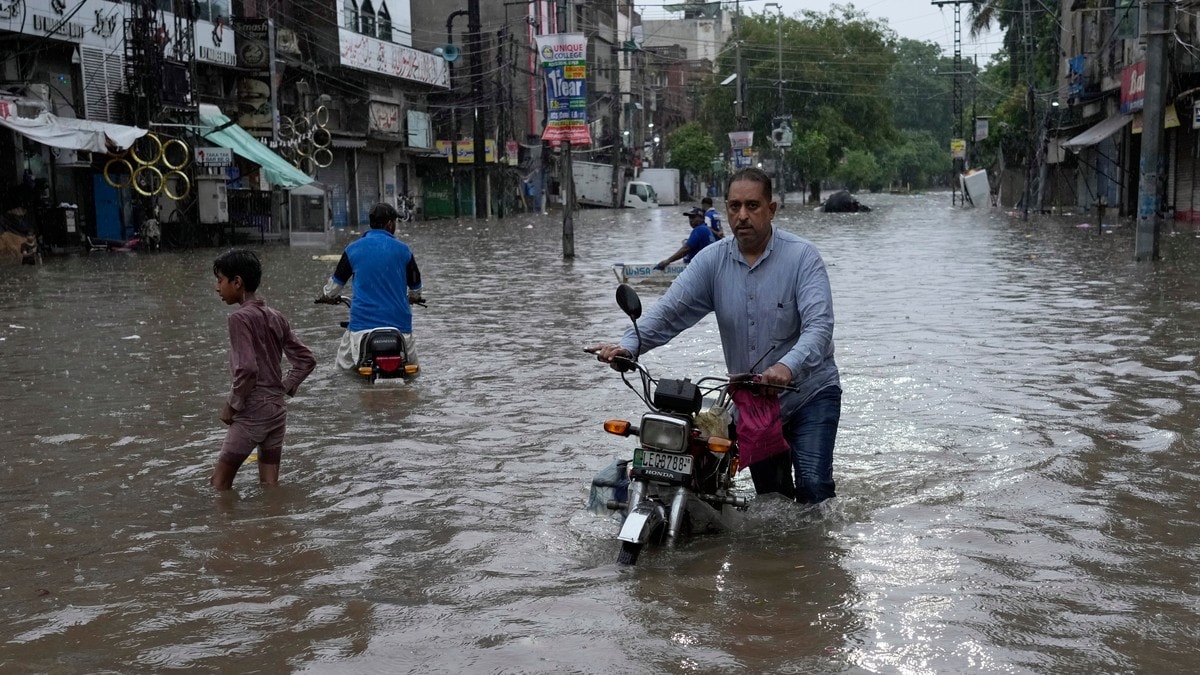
(1097, 133)
(73, 134)
(218, 128)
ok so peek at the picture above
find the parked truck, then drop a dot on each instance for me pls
(665, 182)
(594, 187)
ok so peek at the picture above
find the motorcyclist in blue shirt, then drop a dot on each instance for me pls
(700, 237)
(387, 282)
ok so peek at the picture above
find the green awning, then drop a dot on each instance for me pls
(218, 128)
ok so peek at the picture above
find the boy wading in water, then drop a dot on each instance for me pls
(259, 337)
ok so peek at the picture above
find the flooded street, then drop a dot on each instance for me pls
(1017, 465)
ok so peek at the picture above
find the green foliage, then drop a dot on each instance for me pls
(692, 149)
(859, 169)
(831, 67)
(922, 90)
(1040, 41)
(808, 157)
(869, 108)
(917, 161)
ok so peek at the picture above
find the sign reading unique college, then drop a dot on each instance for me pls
(564, 63)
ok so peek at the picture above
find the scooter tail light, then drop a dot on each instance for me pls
(719, 445)
(617, 427)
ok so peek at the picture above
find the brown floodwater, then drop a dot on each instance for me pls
(1017, 465)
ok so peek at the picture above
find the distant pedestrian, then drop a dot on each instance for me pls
(711, 217)
(259, 338)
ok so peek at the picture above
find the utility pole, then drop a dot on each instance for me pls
(781, 190)
(739, 106)
(479, 168)
(455, 130)
(957, 96)
(1146, 239)
(615, 105)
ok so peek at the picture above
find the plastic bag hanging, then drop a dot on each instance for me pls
(759, 426)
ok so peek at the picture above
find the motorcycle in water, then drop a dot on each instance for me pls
(405, 209)
(682, 472)
(382, 352)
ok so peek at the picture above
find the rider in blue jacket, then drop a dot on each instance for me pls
(386, 283)
(700, 237)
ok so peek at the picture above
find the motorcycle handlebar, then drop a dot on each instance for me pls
(622, 364)
(342, 300)
(754, 381)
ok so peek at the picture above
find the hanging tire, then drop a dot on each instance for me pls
(629, 553)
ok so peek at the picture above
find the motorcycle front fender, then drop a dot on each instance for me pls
(641, 523)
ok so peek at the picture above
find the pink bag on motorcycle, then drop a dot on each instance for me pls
(759, 426)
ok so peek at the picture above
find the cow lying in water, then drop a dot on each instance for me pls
(842, 202)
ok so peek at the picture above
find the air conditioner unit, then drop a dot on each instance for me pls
(287, 41)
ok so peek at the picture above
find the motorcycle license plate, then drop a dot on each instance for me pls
(666, 461)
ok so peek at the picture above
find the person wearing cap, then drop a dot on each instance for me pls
(386, 283)
(700, 237)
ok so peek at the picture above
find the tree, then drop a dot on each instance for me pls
(859, 168)
(921, 87)
(692, 149)
(831, 80)
(809, 158)
(918, 161)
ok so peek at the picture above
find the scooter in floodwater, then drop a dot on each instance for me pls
(681, 474)
(382, 352)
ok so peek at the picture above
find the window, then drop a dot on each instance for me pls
(350, 15)
(385, 22)
(367, 19)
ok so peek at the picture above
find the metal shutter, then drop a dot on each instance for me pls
(369, 191)
(336, 178)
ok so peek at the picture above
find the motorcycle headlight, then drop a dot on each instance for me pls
(664, 433)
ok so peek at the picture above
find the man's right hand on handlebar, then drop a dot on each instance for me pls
(615, 355)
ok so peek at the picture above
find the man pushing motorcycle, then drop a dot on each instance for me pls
(387, 282)
(771, 296)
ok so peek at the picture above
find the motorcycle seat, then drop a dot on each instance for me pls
(383, 342)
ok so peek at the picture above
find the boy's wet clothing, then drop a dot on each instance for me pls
(259, 337)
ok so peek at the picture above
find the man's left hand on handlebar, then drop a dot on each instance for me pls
(778, 375)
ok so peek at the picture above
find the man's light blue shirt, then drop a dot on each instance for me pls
(778, 311)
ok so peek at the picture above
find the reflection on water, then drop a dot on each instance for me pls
(1015, 465)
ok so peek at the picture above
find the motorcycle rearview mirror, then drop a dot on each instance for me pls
(629, 302)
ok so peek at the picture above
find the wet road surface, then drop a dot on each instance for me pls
(1016, 465)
